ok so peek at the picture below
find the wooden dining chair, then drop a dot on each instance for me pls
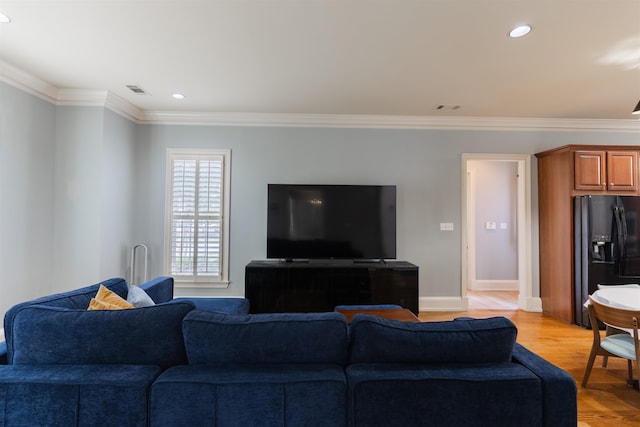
(611, 330)
(624, 346)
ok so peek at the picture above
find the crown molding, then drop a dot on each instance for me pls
(98, 98)
(124, 108)
(28, 83)
(81, 97)
(384, 122)
(102, 98)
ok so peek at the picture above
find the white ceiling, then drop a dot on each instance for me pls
(351, 57)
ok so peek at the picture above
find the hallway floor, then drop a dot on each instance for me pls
(493, 300)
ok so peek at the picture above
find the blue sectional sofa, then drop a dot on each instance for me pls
(66, 366)
(172, 364)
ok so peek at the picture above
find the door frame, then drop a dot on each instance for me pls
(470, 212)
(526, 300)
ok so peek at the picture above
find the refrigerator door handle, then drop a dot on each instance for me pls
(623, 221)
(621, 234)
(618, 234)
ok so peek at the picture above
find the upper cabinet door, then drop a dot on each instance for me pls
(621, 170)
(590, 170)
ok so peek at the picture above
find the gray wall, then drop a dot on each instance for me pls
(81, 185)
(424, 164)
(76, 227)
(118, 195)
(66, 196)
(94, 196)
(27, 137)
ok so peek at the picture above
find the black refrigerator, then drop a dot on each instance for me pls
(607, 245)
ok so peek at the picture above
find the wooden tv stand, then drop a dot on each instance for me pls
(316, 286)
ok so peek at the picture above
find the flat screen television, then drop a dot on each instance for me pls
(331, 221)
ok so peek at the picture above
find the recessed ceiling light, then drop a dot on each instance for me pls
(519, 31)
(177, 95)
(4, 19)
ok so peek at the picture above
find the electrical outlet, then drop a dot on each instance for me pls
(490, 225)
(446, 226)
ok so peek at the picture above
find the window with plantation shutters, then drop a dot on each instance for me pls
(197, 211)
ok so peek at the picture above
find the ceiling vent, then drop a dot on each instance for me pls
(137, 89)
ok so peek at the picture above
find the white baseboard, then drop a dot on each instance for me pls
(495, 285)
(532, 304)
(443, 303)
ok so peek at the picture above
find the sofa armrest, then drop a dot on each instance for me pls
(3, 353)
(159, 289)
(559, 400)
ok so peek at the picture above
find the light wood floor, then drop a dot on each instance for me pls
(607, 401)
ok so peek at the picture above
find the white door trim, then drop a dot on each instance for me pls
(526, 300)
(470, 212)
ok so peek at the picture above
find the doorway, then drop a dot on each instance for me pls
(516, 228)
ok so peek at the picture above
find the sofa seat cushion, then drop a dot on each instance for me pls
(58, 336)
(245, 394)
(213, 338)
(378, 340)
(75, 395)
(239, 306)
(446, 395)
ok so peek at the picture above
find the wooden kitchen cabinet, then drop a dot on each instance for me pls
(622, 170)
(589, 170)
(563, 173)
(605, 170)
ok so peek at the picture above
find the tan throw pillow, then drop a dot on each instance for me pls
(108, 300)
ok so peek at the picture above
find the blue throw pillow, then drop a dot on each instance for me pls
(378, 340)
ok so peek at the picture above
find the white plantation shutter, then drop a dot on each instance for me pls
(197, 192)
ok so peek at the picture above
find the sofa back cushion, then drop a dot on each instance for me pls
(378, 340)
(79, 298)
(46, 335)
(213, 338)
(75, 299)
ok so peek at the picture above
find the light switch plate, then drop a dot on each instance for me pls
(446, 226)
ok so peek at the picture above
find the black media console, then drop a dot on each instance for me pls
(315, 286)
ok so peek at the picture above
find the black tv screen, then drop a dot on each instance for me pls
(331, 221)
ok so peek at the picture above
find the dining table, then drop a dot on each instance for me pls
(625, 296)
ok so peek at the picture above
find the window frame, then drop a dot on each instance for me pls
(195, 281)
